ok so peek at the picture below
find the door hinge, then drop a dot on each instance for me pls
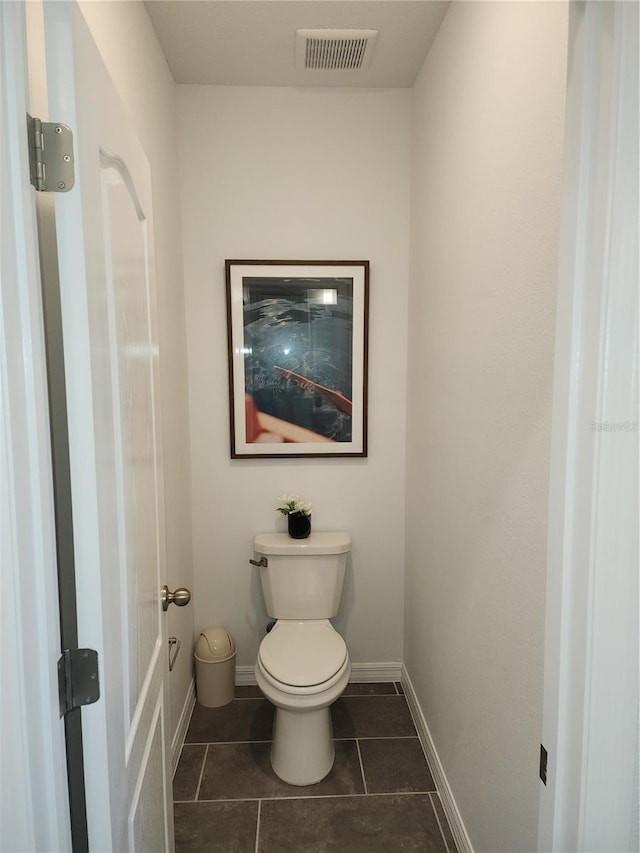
(50, 155)
(78, 682)
(543, 764)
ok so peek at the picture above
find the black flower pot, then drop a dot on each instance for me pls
(299, 525)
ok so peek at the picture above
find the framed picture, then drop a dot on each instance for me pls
(297, 334)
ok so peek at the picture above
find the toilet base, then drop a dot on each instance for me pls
(302, 751)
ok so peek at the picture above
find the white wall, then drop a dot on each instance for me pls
(297, 174)
(130, 50)
(487, 154)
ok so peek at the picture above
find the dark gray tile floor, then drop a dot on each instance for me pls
(379, 796)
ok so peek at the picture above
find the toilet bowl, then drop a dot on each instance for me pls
(302, 668)
(303, 664)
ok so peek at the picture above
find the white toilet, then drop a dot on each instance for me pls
(303, 663)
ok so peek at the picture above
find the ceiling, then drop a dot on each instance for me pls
(252, 42)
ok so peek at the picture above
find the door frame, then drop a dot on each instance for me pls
(591, 642)
(34, 790)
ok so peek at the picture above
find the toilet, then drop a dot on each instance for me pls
(303, 663)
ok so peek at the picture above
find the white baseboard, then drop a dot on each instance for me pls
(183, 724)
(386, 671)
(245, 675)
(454, 817)
(360, 672)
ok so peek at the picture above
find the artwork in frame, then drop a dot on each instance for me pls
(297, 335)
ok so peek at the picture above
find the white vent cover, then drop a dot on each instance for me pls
(334, 50)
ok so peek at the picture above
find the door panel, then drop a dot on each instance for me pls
(107, 295)
(127, 273)
(147, 821)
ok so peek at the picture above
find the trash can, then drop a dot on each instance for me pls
(215, 656)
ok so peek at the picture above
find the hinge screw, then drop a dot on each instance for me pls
(58, 129)
(67, 158)
(61, 185)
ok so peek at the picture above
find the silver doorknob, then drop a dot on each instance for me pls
(180, 597)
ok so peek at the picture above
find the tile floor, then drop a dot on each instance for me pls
(379, 795)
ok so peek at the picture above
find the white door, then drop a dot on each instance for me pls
(33, 802)
(105, 246)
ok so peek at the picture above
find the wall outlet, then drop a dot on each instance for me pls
(543, 764)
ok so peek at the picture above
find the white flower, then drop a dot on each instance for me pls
(289, 504)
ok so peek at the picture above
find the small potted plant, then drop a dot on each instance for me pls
(298, 514)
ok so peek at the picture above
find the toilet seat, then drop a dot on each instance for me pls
(303, 656)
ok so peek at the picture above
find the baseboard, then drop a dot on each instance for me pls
(381, 671)
(442, 785)
(183, 724)
(360, 672)
(245, 675)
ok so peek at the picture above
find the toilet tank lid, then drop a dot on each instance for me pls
(324, 542)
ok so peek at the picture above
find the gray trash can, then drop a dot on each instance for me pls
(215, 656)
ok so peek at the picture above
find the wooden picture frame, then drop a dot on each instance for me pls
(297, 336)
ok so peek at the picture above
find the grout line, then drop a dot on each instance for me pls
(211, 742)
(315, 797)
(379, 737)
(204, 761)
(435, 811)
(346, 737)
(364, 781)
(227, 800)
(258, 827)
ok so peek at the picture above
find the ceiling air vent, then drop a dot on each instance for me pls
(334, 50)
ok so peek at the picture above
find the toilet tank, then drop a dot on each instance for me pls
(303, 578)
